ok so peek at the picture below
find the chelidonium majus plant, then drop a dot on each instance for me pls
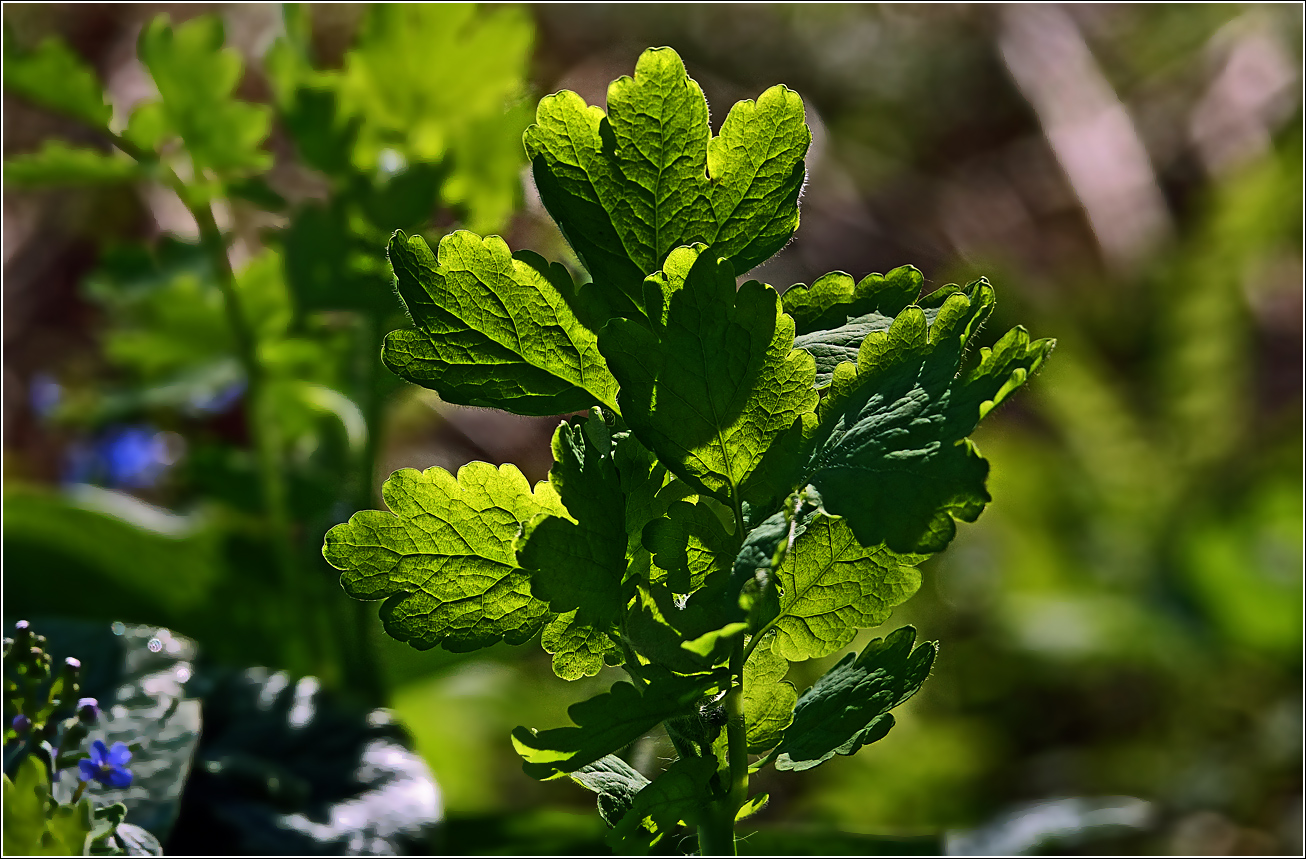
(756, 480)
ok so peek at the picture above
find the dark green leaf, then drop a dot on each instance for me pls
(494, 328)
(329, 268)
(609, 722)
(890, 453)
(285, 768)
(123, 552)
(577, 561)
(849, 706)
(629, 187)
(679, 794)
(444, 558)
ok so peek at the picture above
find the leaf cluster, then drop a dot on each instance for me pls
(755, 481)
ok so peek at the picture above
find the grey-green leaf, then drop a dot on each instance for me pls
(713, 384)
(616, 783)
(849, 706)
(493, 328)
(890, 453)
(444, 559)
(629, 187)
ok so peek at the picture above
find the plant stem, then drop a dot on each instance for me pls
(364, 669)
(716, 833)
(308, 645)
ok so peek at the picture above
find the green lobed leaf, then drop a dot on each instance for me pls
(444, 559)
(680, 794)
(769, 699)
(493, 328)
(197, 78)
(713, 386)
(609, 722)
(628, 187)
(55, 77)
(890, 452)
(577, 561)
(56, 164)
(831, 586)
(834, 298)
(24, 808)
(690, 548)
(616, 783)
(834, 316)
(68, 831)
(679, 637)
(849, 706)
(650, 490)
(422, 74)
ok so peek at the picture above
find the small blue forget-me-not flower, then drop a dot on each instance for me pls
(107, 766)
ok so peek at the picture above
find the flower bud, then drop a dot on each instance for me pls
(21, 724)
(88, 711)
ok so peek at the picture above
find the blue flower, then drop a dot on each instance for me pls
(21, 724)
(107, 766)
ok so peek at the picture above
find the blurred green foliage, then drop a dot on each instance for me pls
(286, 339)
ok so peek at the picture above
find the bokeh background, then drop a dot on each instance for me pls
(1125, 620)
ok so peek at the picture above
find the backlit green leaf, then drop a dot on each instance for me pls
(890, 453)
(628, 187)
(197, 78)
(444, 559)
(713, 386)
(55, 77)
(831, 586)
(24, 807)
(849, 706)
(493, 328)
(57, 163)
(834, 316)
(834, 298)
(768, 698)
